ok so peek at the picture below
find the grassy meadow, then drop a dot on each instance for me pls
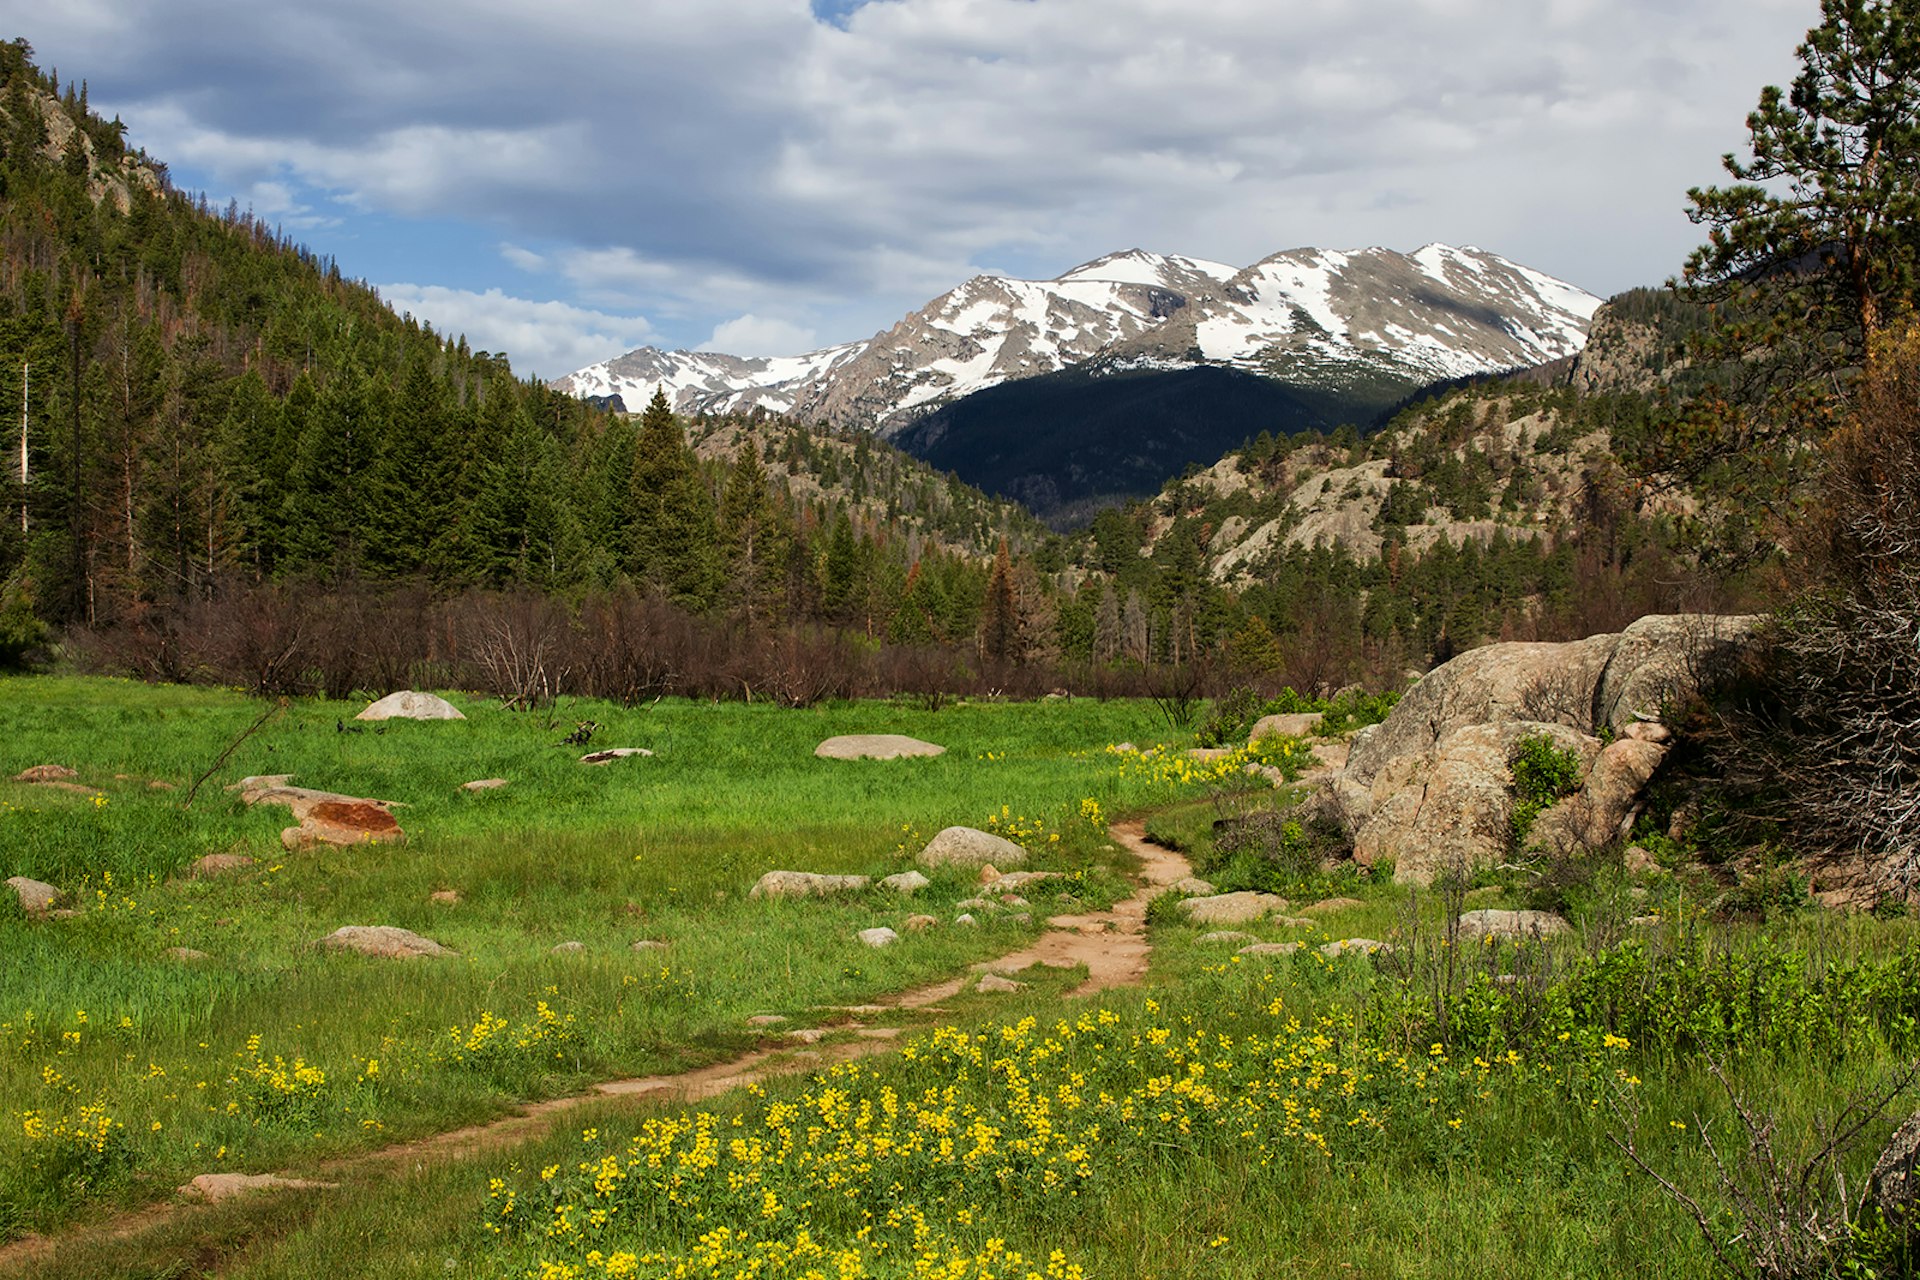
(1449, 1108)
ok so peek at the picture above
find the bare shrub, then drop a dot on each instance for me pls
(517, 644)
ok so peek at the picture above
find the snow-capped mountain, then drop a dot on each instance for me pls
(1310, 317)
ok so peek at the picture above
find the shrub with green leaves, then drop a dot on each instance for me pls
(1542, 773)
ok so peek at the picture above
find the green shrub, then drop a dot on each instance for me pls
(1542, 773)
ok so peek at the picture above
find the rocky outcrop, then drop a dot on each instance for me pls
(1429, 788)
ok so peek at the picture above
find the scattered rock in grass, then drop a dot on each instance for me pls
(411, 705)
(46, 773)
(1271, 949)
(808, 1035)
(1013, 900)
(37, 898)
(1638, 861)
(993, 982)
(1295, 922)
(382, 940)
(219, 864)
(1207, 755)
(875, 746)
(1232, 908)
(1226, 935)
(157, 785)
(1016, 880)
(805, 884)
(907, 882)
(970, 847)
(765, 1020)
(1273, 775)
(1489, 923)
(648, 944)
(1366, 946)
(215, 1187)
(571, 947)
(185, 955)
(484, 784)
(343, 823)
(614, 753)
(989, 873)
(1644, 922)
(1296, 724)
(973, 904)
(1193, 886)
(966, 918)
(445, 897)
(919, 924)
(1020, 917)
(879, 937)
(1328, 905)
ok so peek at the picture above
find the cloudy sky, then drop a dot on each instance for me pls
(568, 180)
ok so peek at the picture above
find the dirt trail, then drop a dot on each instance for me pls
(1112, 944)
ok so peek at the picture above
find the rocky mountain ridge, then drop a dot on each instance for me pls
(1370, 319)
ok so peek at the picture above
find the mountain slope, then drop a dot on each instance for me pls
(1314, 317)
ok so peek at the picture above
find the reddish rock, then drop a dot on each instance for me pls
(46, 773)
(344, 823)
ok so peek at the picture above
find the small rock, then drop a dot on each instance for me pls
(1326, 905)
(805, 884)
(1639, 861)
(46, 773)
(613, 753)
(1271, 949)
(765, 1020)
(973, 904)
(1193, 886)
(1014, 900)
(905, 882)
(1644, 922)
(879, 937)
(994, 982)
(1020, 917)
(410, 705)
(989, 874)
(1490, 923)
(1295, 922)
(919, 924)
(445, 897)
(648, 944)
(1366, 946)
(186, 955)
(37, 898)
(1647, 731)
(965, 918)
(382, 940)
(1226, 935)
(1016, 880)
(875, 746)
(157, 785)
(808, 1035)
(568, 948)
(483, 784)
(219, 864)
(1232, 908)
(969, 847)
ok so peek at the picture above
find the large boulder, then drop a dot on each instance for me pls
(969, 847)
(875, 746)
(410, 705)
(1430, 788)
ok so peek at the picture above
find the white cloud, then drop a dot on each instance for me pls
(546, 339)
(712, 162)
(751, 335)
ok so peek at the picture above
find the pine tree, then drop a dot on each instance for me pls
(1000, 621)
(754, 539)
